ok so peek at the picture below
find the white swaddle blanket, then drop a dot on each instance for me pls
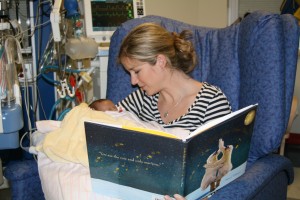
(66, 141)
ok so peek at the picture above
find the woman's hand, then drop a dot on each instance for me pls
(176, 196)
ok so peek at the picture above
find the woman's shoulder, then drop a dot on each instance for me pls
(208, 86)
(208, 89)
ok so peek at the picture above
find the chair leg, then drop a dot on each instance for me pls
(282, 146)
(293, 115)
(283, 141)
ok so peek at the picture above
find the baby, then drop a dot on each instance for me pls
(109, 108)
(103, 105)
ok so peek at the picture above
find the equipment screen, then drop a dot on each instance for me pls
(102, 17)
(107, 15)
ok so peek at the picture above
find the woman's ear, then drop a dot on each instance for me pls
(161, 60)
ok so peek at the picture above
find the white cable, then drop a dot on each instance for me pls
(21, 142)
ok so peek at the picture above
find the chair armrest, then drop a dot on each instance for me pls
(256, 178)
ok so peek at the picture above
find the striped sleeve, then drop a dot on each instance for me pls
(217, 106)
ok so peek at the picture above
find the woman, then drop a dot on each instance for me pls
(159, 62)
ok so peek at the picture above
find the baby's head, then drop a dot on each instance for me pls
(103, 105)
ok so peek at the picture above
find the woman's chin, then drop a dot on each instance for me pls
(148, 92)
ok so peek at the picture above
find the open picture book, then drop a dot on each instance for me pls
(136, 163)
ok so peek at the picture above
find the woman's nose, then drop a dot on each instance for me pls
(134, 79)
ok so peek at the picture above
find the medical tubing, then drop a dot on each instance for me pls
(10, 60)
(56, 68)
(54, 82)
(54, 106)
(89, 73)
(26, 92)
(22, 138)
(63, 114)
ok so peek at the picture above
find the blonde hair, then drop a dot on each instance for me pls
(148, 40)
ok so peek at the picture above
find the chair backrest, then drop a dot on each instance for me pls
(253, 61)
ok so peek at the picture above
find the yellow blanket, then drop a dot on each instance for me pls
(68, 143)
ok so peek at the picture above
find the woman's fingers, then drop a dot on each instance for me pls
(176, 196)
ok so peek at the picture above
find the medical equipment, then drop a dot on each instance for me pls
(68, 55)
(11, 111)
(102, 17)
(11, 120)
(81, 29)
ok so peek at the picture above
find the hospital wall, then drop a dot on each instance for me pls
(212, 13)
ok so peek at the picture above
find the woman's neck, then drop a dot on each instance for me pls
(179, 85)
(177, 96)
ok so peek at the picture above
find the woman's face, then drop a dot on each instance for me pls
(147, 77)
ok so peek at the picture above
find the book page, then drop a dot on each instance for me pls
(140, 129)
(150, 131)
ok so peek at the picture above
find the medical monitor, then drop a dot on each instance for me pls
(102, 17)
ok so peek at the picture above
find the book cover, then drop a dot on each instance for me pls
(136, 164)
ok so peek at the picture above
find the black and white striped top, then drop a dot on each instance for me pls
(210, 103)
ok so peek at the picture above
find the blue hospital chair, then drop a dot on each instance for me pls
(253, 61)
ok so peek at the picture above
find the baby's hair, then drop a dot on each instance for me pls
(97, 101)
(148, 40)
(103, 105)
(100, 100)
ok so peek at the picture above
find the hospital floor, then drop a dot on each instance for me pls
(291, 151)
(5, 194)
